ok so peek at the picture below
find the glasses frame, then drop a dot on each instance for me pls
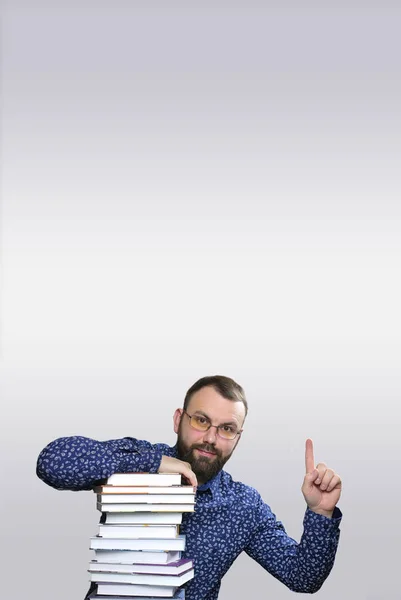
(217, 427)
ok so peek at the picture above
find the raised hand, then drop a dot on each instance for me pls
(322, 486)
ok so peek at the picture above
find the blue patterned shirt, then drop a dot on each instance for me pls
(230, 517)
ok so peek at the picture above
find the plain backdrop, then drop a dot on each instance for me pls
(193, 189)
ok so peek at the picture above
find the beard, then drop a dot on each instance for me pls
(204, 467)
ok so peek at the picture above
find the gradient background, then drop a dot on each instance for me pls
(192, 189)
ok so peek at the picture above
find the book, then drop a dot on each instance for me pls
(144, 518)
(144, 489)
(138, 531)
(128, 589)
(146, 498)
(143, 579)
(159, 479)
(138, 549)
(174, 568)
(179, 595)
(99, 543)
(123, 507)
(157, 557)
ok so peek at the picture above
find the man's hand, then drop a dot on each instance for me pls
(174, 465)
(322, 486)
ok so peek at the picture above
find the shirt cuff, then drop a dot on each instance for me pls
(327, 523)
(142, 460)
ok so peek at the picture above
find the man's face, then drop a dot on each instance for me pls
(206, 451)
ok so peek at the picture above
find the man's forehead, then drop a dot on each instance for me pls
(215, 406)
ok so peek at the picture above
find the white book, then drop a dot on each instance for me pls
(102, 543)
(173, 581)
(157, 557)
(179, 595)
(144, 489)
(128, 589)
(158, 479)
(146, 498)
(138, 531)
(123, 507)
(174, 568)
(145, 518)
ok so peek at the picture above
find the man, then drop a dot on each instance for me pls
(229, 517)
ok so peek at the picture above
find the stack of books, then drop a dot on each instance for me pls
(138, 549)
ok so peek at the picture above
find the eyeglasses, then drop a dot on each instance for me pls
(202, 423)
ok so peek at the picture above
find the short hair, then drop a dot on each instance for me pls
(225, 386)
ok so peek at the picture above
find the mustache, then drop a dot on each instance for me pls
(206, 448)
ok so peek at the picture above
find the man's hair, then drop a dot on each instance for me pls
(225, 386)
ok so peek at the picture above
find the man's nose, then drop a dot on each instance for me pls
(210, 435)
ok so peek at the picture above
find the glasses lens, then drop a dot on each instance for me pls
(227, 432)
(200, 423)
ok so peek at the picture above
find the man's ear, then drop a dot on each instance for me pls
(177, 418)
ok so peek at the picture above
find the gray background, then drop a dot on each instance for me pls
(191, 189)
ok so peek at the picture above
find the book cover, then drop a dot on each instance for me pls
(123, 507)
(143, 578)
(158, 479)
(98, 543)
(144, 489)
(142, 518)
(127, 589)
(146, 498)
(138, 531)
(156, 557)
(179, 595)
(173, 568)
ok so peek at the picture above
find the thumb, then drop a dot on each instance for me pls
(311, 477)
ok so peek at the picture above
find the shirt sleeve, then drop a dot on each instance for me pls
(80, 463)
(301, 567)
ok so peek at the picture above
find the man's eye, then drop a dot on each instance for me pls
(228, 428)
(201, 420)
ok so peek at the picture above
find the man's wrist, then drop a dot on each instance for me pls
(324, 513)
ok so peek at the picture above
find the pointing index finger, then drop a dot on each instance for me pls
(309, 458)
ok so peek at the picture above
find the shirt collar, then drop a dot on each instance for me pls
(213, 485)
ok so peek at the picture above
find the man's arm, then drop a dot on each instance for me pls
(301, 567)
(79, 463)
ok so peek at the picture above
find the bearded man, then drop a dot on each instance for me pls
(230, 517)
